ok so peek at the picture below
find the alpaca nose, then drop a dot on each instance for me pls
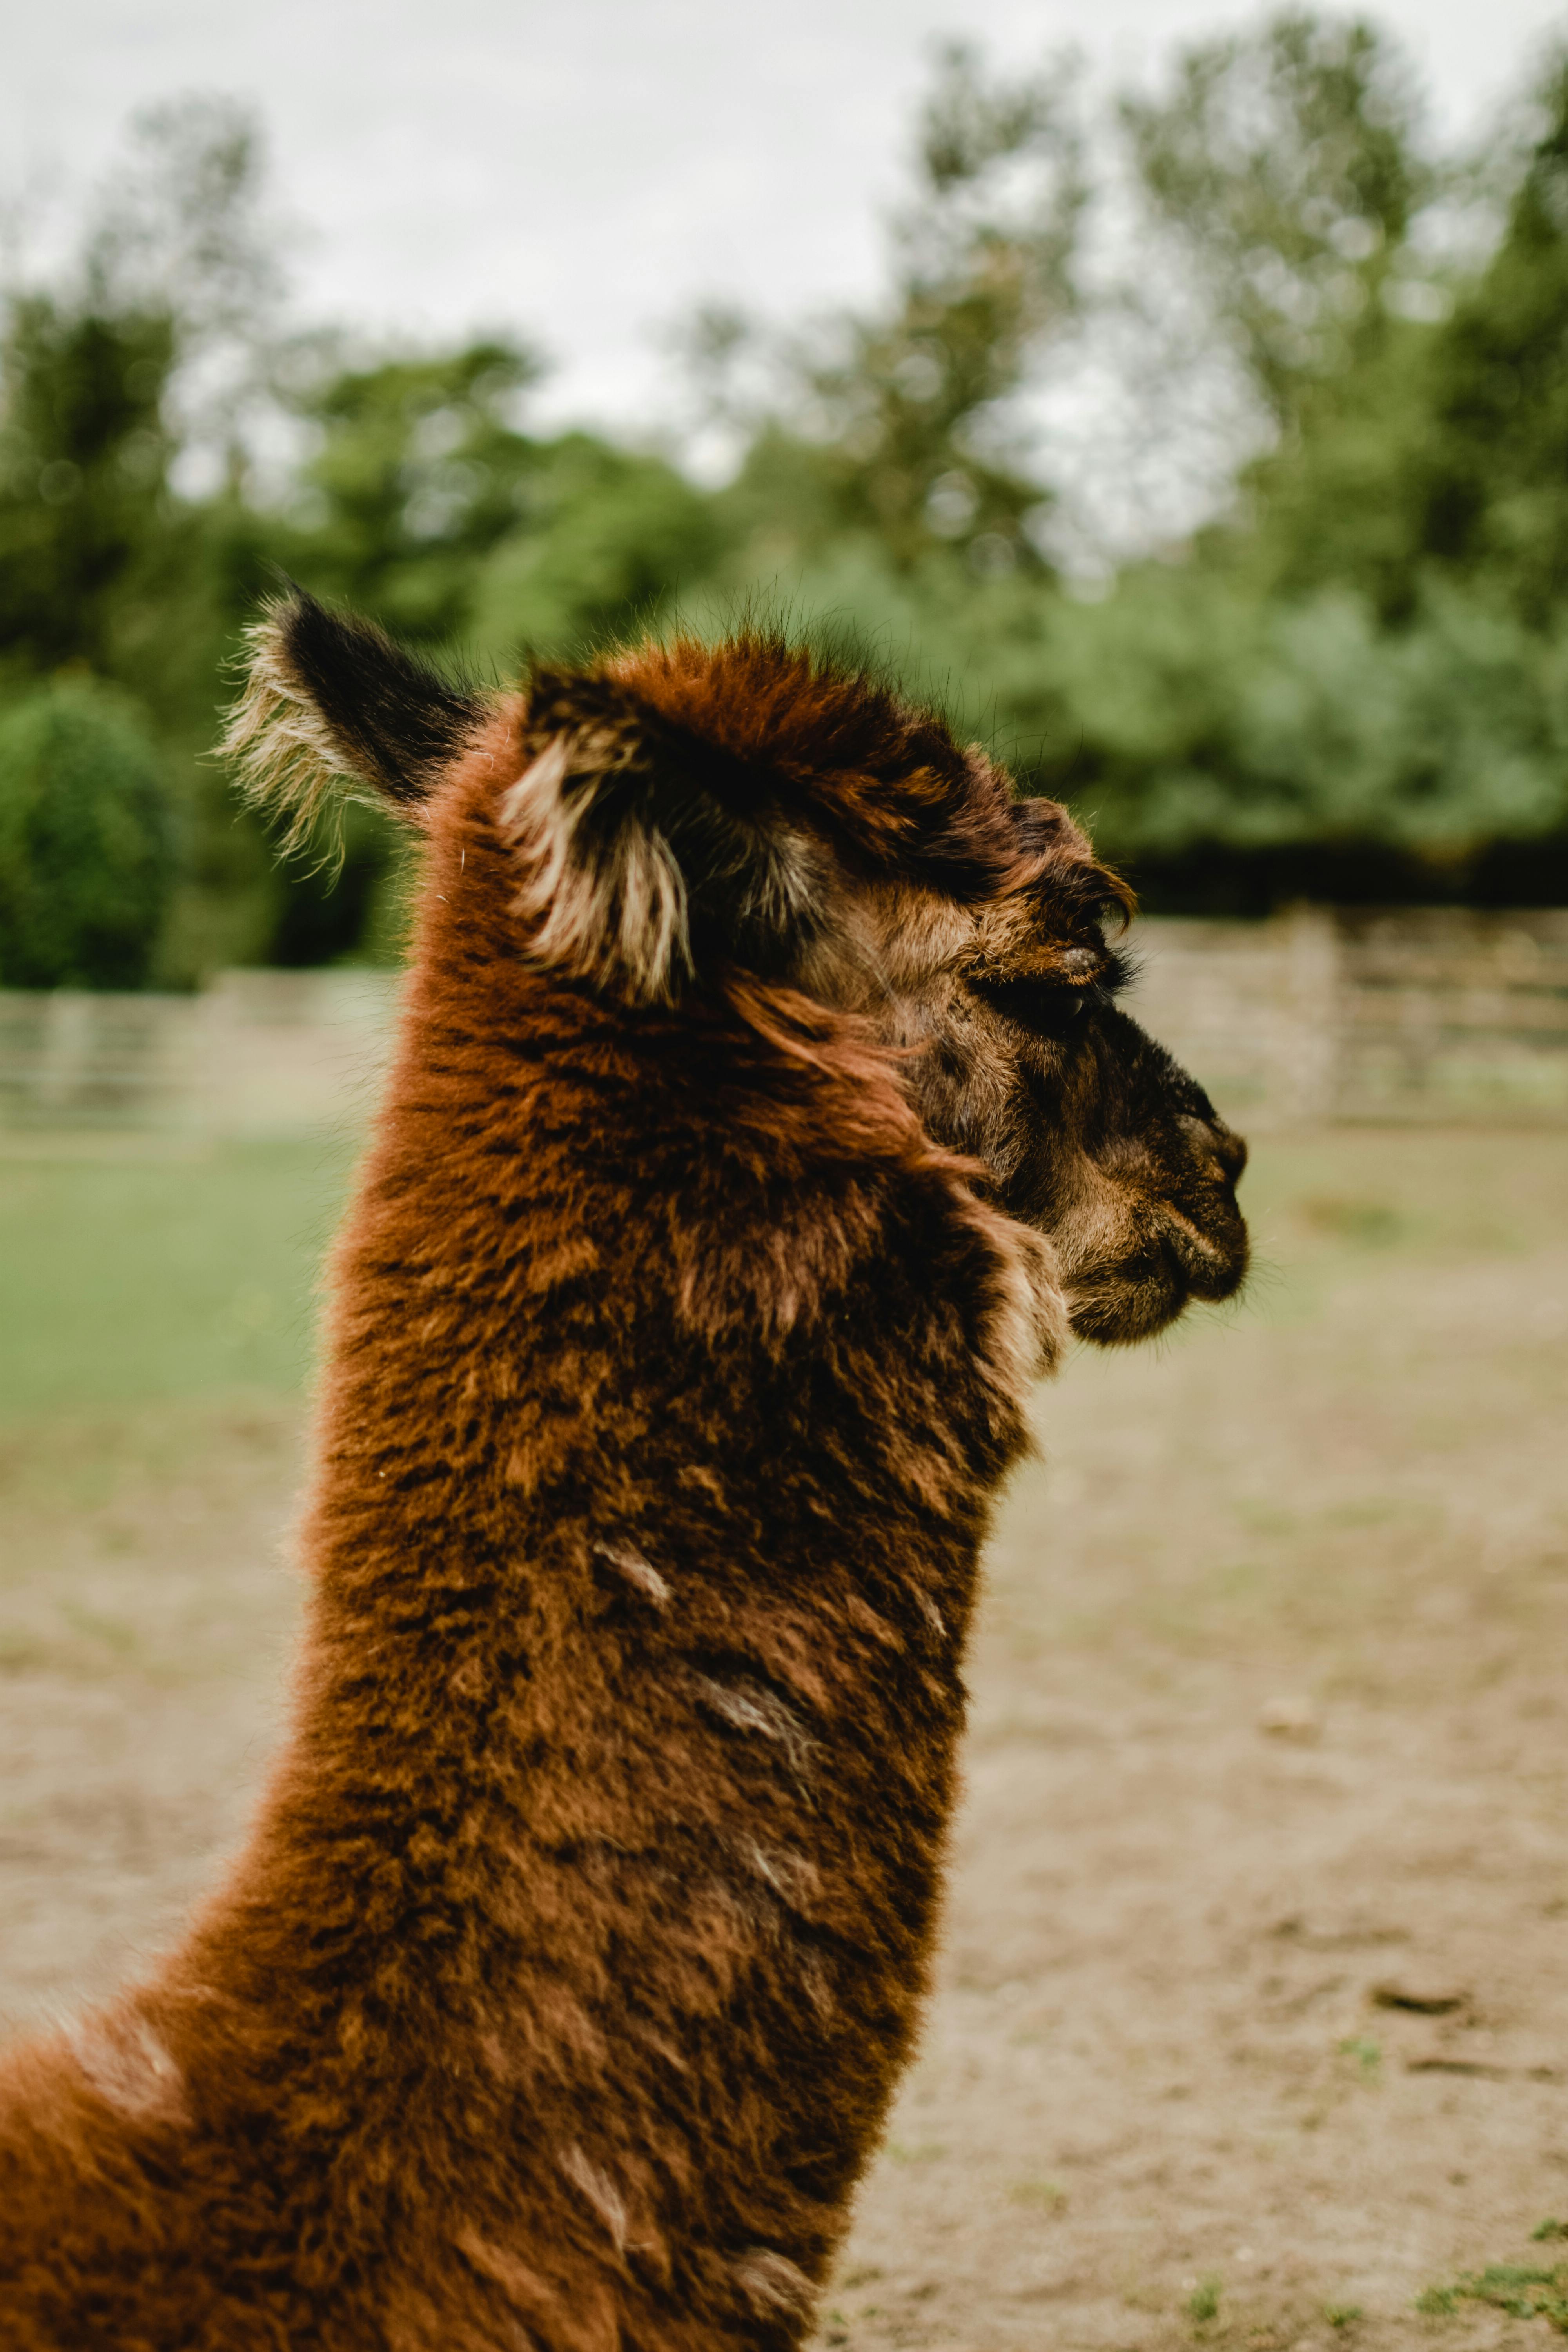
(1211, 1140)
(1229, 1149)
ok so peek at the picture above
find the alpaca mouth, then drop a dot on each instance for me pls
(1212, 1264)
(1118, 1302)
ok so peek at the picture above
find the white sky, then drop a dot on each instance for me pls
(585, 171)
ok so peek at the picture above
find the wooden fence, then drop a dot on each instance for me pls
(258, 1054)
(1428, 1013)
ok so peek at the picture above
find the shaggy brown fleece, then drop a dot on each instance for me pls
(676, 1357)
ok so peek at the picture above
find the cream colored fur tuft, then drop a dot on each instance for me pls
(1029, 1324)
(285, 755)
(771, 2282)
(628, 1562)
(600, 2192)
(611, 911)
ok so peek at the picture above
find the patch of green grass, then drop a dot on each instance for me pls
(126, 1282)
(1341, 2315)
(1549, 2229)
(1519, 2289)
(1367, 2053)
(1202, 2304)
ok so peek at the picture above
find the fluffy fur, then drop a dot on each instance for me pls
(759, 1118)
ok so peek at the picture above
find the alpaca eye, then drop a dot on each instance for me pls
(1048, 1008)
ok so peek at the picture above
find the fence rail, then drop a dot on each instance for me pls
(1426, 1013)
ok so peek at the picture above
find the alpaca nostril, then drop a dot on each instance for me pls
(1211, 1140)
(1229, 1149)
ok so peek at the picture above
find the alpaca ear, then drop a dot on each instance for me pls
(328, 700)
(648, 856)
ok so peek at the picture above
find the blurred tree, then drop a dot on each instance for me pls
(604, 539)
(181, 232)
(1288, 173)
(149, 349)
(414, 479)
(87, 847)
(1493, 467)
(426, 504)
(903, 429)
(1286, 167)
(924, 454)
(1198, 714)
(84, 458)
(1332, 691)
(143, 361)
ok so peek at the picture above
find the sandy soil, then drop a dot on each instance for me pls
(1252, 2019)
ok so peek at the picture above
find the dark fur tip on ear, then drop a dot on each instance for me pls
(330, 698)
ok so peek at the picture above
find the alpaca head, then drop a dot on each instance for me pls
(680, 822)
(1093, 1133)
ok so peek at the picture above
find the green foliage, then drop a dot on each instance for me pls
(1496, 477)
(86, 858)
(425, 504)
(1370, 652)
(1436, 445)
(1342, 501)
(1286, 170)
(84, 457)
(413, 480)
(103, 567)
(1194, 714)
(604, 538)
(1313, 679)
(1185, 711)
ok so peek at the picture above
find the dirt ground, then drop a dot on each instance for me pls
(1252, 2019)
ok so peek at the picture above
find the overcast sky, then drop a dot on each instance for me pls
(586, 171)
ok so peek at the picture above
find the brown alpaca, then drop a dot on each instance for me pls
(759, 1121)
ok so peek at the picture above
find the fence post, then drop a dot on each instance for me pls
(1313, 994)
(66, 1049)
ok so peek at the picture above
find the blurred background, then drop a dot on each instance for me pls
(1179, 394)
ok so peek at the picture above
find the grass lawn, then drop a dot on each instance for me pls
(133, 1280)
